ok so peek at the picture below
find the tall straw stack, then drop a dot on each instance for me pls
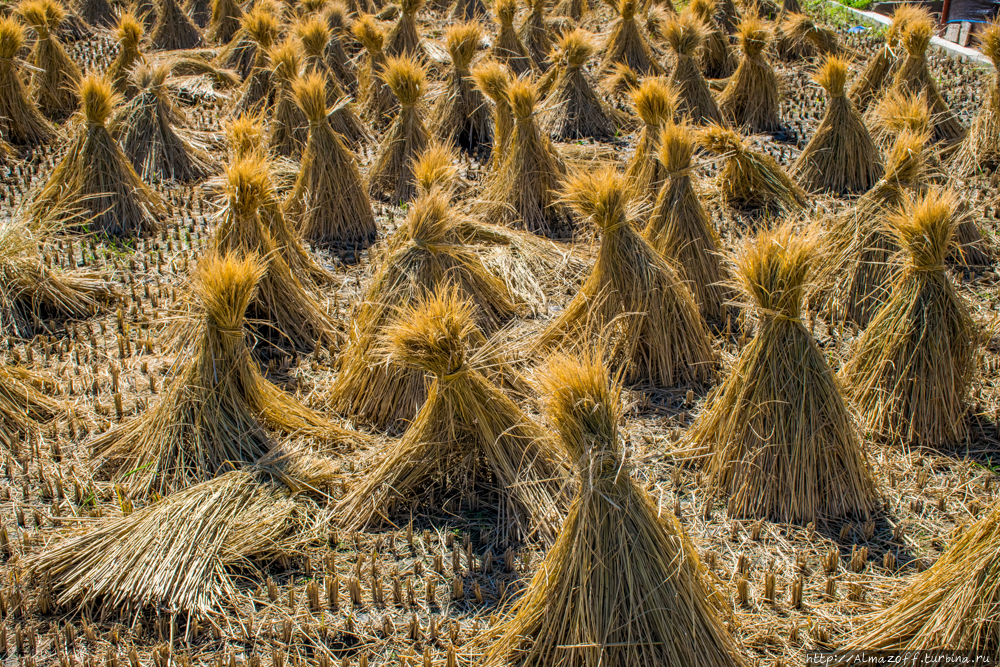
(337, 57)
(861, 246)
(216, 408)
(626, 44)
(173, 28)
(680, 229)
(718, 61)
(426, 257)
(95, 186)
(129, 32)
(404, 39)
(623, 584)
(914, 77)
(881, 68)
(257, 93)
(572, 109)
(508, 48)
(655, 102)
(391, 173)
(31, 292)
(494, 80)
(953, 606)
(55, 78)
(315, 35)
(685, 34)
(224, 24)
(751, 99)
(780, 439)
(798, 37)
(911, 370)
(328, 203)
(469, 10)
(144, 129)
(375, 97)
(468, 439)
(534, 34)
(21, 122)
(750, 180)
(288, 125)
(634, 303)
(286, 314)
(96, 13)
(247, 50)
(523, 191)
(200, 12)
(460, 115)
(980, 151)
(841, 156)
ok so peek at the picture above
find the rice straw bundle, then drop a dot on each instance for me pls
(841, 156)
(523, 191)
(750, 180)
(680, 229)
(286, 313)
(881, 68)
(494, 80)
(655, 102)
(686, 34)
(622, 585)
(314, 35)
(23, 407)
(391, 174)
(468, 437)
(861, 245)
(95, 185)
(289, 126)
(626, 44)
(727, 17)
(460, 115)
(534, 34)
(129, 32)
(572, 9)
(573, 110)
(426, 257)
(915, 78)
(31, 292)
(469, 10)
(911, 370)
(780, 439)
(897, 112)
(981, 148)
(718, 61)
(328, 204)
(377, 100)
(508, 48)
(246, 51)
(173, 28)
(751, 99)
(798, 37)
(634, 302)
(200, 12)
(246, 137)
(184, 553)
(337, 57)
(143, 128)
(261, 28)
(953, 606)
(224, 24)
(214, 412)
(97, 13)
(55, 78)
(403, 39)
(620, 83)
(20, 120)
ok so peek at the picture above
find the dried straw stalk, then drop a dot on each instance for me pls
(375, 97)
(980, 151)
(467, 439)
(911, 370)
(718, 60)
(780, 439)
(129, 32)
(573, 110)
(328, 204)
(508, 48)
(404, 39)
(215, 410)
(55, 78)
(289, 126)
(881, 68)
(94, 185)
(841, 156)
(623, 584)
(534, 34)
(494, 80)
(626, 43)
(391, 173)
(634, 303)
(681, 230)
(655, 102)
(460, 115)
(751, 99)
(686, 35)
(21, 122)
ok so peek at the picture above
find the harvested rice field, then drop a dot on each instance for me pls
(495, 333)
